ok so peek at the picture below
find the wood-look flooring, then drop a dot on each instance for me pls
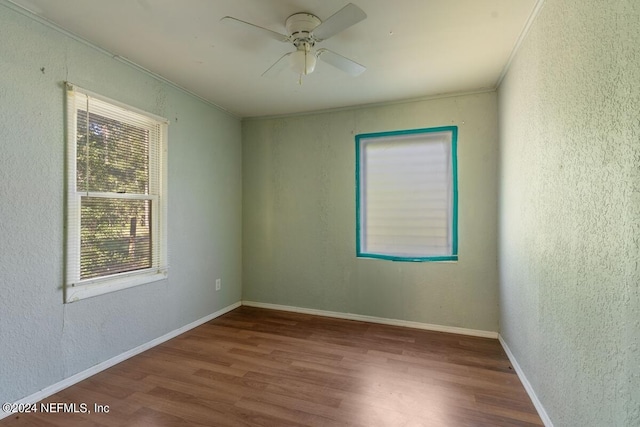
(257, 367)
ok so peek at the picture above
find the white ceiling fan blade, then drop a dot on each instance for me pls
(279, 65)
(339, 21)
(340, 62)
(257, 29)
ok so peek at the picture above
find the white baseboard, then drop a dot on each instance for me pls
(67, 382)
(372, 319)
(527, 385)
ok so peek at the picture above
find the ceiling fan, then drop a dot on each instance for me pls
(305, 31)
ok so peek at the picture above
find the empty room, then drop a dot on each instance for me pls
(301, 212)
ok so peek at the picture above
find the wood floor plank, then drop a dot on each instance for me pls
(258, 367)
(146, 417)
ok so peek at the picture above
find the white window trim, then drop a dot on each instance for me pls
(75, 288)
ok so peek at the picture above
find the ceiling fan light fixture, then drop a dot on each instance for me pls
(302, 62)
(305, 31)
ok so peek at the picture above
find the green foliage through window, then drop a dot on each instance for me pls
(112, 157)
(115, 236)
(115, 156)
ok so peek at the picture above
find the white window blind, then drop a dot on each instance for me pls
(407, 195)
(116, 214)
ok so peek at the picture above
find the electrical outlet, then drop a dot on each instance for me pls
(218, 284)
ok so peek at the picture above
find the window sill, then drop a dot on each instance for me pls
(444, 258)
(94, 287)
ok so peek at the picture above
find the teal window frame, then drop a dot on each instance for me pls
(454, 199)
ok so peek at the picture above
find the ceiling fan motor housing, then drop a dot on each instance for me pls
(304, 31)
(300, 25)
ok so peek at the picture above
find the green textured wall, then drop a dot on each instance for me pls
(299, 217)
(44, 341)
(570, 211)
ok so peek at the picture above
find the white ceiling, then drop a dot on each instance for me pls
(411, 48)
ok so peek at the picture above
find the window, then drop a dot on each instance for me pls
(406, 195)
(116, 196)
